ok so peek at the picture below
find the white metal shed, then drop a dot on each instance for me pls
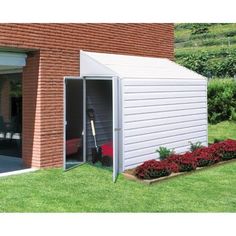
(156, 102)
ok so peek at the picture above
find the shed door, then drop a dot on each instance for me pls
(74, 122)
(116, 128)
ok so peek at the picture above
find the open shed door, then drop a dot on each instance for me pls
(116, 128)
(74, 122)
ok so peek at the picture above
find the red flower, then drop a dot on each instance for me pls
(152, 169)
(188, 161)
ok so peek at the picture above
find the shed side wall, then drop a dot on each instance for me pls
(162, 112)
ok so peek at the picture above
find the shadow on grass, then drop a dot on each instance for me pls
(100, 166)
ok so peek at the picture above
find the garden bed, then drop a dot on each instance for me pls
(130, 174)
(173, 165)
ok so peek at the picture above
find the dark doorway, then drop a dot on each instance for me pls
(11, 115)
(74, 122)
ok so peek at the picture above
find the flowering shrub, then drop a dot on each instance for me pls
(226, 149)
(172, 166)
(185, 162)
(204, 156)
(152, 169)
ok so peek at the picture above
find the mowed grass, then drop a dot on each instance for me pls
(222, 131)
(90, 189)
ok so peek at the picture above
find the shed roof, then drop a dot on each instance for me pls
(103, 64)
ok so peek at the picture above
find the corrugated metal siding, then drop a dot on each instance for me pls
(99, 97)
(162, 112)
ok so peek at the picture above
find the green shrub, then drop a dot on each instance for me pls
(195, 146)
(221, 99)
(164, 152)
(196, 62)
(214, 62)
(199, 29)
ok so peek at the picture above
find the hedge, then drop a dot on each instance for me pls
(206, 64)
(221, 100)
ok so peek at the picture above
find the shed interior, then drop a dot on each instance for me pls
(99, 98)
(96, 95)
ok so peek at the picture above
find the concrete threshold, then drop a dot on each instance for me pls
(18, 172)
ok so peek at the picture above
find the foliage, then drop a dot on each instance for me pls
(220, 31)
(205, 157)
(196, 62)
(152, 169)
(194, 146)
(164, 152)
(226, 149)
(185, 162)
(222, 42)
(226, 67)
(221, 99)
(208, 63)
(202, 156)
(199, 29)
(174, 168)
(209, 49)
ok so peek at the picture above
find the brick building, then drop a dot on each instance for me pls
(52, 52)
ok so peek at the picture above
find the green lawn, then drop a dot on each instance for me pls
(90, 189)
(223, 130)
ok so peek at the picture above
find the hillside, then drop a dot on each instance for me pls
(209, 49)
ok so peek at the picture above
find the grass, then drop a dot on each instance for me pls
(215, 31)
(223, 130)
(90, 189)
(211, 50)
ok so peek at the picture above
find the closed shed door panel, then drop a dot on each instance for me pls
(162, 112)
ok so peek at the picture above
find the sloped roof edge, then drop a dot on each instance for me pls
(93, 63)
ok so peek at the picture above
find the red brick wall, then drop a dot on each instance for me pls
(56, 55)
(31, 137)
